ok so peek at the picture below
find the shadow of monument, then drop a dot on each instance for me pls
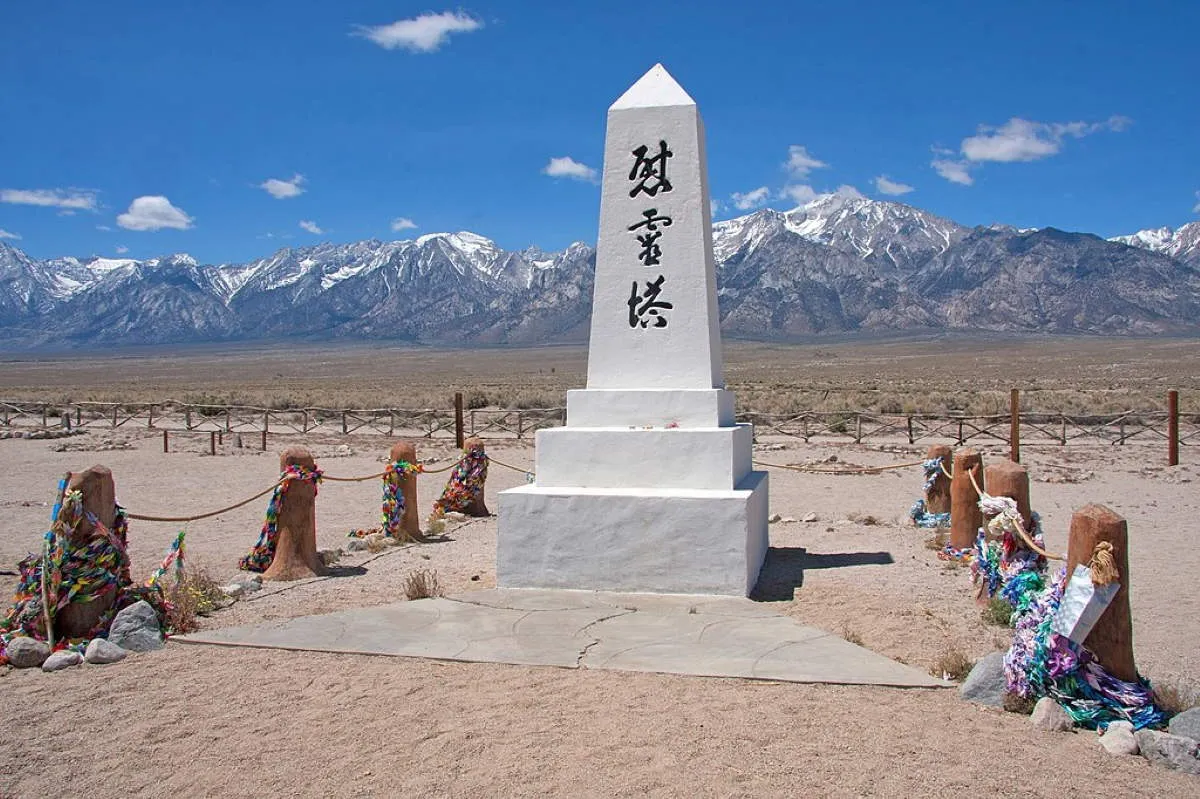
(783, 570)
(344, 571)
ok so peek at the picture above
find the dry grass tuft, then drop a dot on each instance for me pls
(851, 635)
(1015, 703)
(422, 584)
(196, 594)
(997, 612)
(1176, 695)
(952, 664)
(865, 519)
(937, 542)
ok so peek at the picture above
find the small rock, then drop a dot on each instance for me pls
(1048, 715)
(787, 520)
(455, 516)
(233, 590)
(1186, 724)
(775, 517)
(809, 517)
(985, 685)
(344, 449)
(24, 652)
(1173, 751)
(1119, 739)
(62, 659)
(356, 545)
(100, 650)
(136, 628)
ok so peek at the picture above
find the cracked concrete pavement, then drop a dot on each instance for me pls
(673, 634)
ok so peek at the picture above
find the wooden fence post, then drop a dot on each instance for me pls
(458, 419)
(166, 441)
(965, 516)
(1011, 479)
(961, 441)
(1172, 428)
(296, 550)
(410, 522)
(937, 496)
(910, 430)
(1014, 425)
(212, 442)
(1111, 640)
(344, 426)
(264, 440)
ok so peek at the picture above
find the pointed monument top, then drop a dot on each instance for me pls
(655, 88)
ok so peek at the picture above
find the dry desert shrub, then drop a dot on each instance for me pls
(422, 584)
(1015, 703)
(196, 594)
(952, 664)
(851, 635)
(1176, 695)
(998, 612)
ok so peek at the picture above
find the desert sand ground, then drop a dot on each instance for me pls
(208, 721)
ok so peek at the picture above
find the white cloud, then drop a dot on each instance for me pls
(751, 199)
(311, 227)
(953, 170)
(283, 189)
(714, 205)
(69, 199)
(847, 192)
(4, 234)
(798, 193)
(422, 34)
(154, 212)
(105, 228)
(567, 167)
(885, 185)
(1024, 140)
(800, 163)
(1196, 207)
(403, 223)
(121, 249)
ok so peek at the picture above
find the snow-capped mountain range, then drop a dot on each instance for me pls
(837, 264)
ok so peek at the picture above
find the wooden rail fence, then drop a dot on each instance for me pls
(1013, 428)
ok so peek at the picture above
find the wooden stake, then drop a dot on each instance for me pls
(166, 441)
(296, 550)
(937, 496)
(1014, 425)
(410, 523)
(212, 443)
(1172, 428)
(965, 516)
(458, 419)
(1111, 640)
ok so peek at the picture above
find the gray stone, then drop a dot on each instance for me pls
(136, 628)
(775, 518)
(985, 685)
(1186, 724)
(100, 651)
(1119, 739)
(62, 659)
(1048, 715)
(24, 652)
(810, 517)
(1173, 751)
(356, 545)
(233, 590)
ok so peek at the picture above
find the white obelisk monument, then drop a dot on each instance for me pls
(649, 487)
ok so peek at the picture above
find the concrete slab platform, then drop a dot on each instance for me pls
(672, 634)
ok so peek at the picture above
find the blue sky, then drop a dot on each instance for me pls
(228, 129)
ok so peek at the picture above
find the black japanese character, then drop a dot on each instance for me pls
(650, 173)
(646, 304)
(651, 251)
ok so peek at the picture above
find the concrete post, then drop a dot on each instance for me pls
(410, 522)
(1008, 479)
(937, 496)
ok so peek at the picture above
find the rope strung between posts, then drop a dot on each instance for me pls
(851, 470)
(507, 466)
(148, 518)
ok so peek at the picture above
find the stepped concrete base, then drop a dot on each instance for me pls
(663, 541)
(715, 458)
(650, 407)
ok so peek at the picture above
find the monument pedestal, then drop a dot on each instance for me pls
(652, 508)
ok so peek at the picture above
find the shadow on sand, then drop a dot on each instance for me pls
(783, 571)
